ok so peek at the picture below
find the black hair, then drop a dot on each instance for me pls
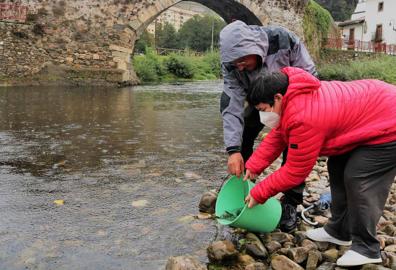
(265, 87)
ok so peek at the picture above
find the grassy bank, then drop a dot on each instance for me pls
(153, 68)
(382, 67)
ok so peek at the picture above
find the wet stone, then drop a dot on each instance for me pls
(255, 247)
(342, 250)
(298, 254)
(330, 255)
(299, 236)
(288, 245)
(245, 259)
(208, 202)
(321, 220)
(391, 248)
(382, 242)
(273, 246)
(184, 263)
(322, 246)
(280, 237)
(390, 230)
(392, 261)
(222, 252)
(256, 266)
(281, 262)
(314, 258)
(327, 266)
(204, 216)
(282, 251)
(308, 244)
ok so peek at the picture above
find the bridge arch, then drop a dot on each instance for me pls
(229, 10)
(98, 36)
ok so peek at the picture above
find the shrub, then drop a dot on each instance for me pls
(148, 67)
(213, 61)
(179, 66)
(316, 23)
(382, 68)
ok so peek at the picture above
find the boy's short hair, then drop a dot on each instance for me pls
(266, 86)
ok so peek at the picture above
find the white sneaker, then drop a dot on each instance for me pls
(352, 258)
(321, 235)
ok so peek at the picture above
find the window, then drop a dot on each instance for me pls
(378, 33)
(380, 6)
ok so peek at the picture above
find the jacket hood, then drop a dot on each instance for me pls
(300, 82)
(238, 39)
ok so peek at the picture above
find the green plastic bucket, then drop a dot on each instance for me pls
(261, 218)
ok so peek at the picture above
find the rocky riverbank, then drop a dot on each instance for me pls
(238, 249)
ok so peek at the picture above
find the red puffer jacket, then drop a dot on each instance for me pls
(322, 119)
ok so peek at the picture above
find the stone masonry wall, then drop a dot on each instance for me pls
(97, 37)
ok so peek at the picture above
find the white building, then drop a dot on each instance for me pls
(173, 15)
(372, 21)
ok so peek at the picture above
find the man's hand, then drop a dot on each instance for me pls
(249, 175)
(235, 164)
(250, 201)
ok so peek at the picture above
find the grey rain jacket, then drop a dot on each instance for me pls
(276, 46)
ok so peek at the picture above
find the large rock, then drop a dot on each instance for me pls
(279, 237)
(245, 259)
(184, 263)
(330, 255)
(314, 258)
(273, 246)
(281, 262)
(308, 244)
(208, 202)
(298, 254)
(391, 248)
(255, 247)
(222, 252)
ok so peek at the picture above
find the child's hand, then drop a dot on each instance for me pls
(250, 201)
(249, 175)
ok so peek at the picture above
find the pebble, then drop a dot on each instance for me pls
(330, 255)
(273, 246)
(281, 262)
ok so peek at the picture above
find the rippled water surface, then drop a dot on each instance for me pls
(130, 164)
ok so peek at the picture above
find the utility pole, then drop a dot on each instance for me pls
(211, 45)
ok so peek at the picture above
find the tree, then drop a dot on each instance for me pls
(146, 39)
(166, 36)
(196, 33)
(341, 10)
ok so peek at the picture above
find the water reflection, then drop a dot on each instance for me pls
(105, 151)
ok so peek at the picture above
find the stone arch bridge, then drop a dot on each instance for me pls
(92, 40)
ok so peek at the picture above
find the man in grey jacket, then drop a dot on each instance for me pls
(246, 52)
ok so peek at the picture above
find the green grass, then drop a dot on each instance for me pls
(382, 68)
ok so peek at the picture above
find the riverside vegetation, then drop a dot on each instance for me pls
(153, 68)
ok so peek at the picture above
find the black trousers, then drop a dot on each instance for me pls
(252, 128)
(360, 182)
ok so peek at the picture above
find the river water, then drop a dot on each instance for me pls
(130, 165)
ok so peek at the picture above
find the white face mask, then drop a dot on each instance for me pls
(270, 119)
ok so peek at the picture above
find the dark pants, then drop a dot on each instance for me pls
(360, 182)
(252, 128)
